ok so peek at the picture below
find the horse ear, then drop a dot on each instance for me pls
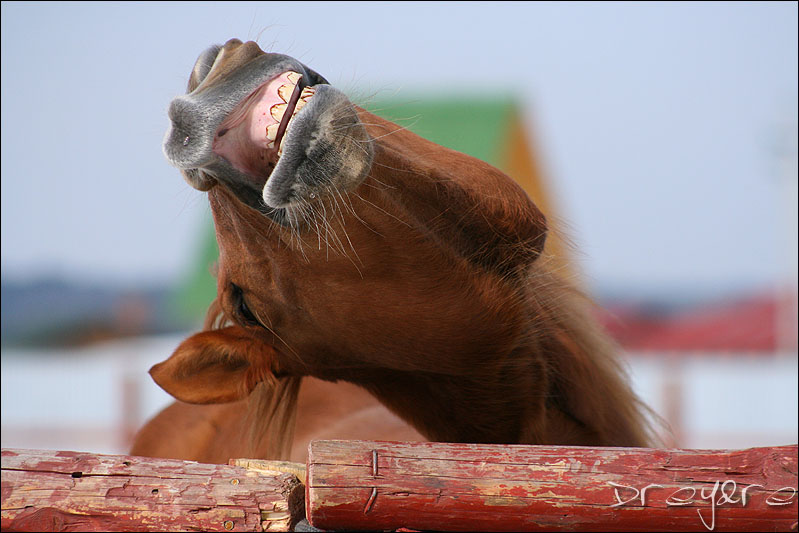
(217, 366)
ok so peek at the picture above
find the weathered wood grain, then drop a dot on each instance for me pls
(72, 491)
(298, 469)
(461, 487)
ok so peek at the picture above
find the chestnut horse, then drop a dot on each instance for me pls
(371, 284)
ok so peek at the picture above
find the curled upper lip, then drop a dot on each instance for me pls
(195, 117)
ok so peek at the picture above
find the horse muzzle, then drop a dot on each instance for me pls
(212, 132)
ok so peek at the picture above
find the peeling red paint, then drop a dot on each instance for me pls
(474, 487)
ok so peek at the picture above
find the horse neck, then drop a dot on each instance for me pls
(589, 393)
(562, 384)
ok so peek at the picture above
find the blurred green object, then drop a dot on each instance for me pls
(198, 290)
(477, 126)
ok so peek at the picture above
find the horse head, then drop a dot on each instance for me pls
(352, 249)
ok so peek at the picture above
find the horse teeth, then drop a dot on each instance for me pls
(285, 92)
(271, 132)
(300, 104)
(293, 77)
(277, 111)
(307, 93)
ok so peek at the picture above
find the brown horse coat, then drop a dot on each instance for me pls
(353, 251)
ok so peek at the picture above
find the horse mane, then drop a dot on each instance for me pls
(588, 378)
(271, 406)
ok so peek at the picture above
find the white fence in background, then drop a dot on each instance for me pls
(93, 399)
(83, 399)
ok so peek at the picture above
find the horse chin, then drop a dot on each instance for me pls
(199, 179)
(326, 151)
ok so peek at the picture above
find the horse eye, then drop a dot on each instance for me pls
(241, 306)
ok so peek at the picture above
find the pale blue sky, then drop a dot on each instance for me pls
(657, 123)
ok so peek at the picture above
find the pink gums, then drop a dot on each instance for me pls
(241, 137)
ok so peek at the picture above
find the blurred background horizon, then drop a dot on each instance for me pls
(664, 135)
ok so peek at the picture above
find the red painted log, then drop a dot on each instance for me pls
(71, 491)
(461, 487)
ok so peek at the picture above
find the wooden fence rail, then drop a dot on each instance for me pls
(418, 486)
(71, 491)
(462, 487)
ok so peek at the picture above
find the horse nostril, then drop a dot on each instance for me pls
(203, 66)
(188, 139)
